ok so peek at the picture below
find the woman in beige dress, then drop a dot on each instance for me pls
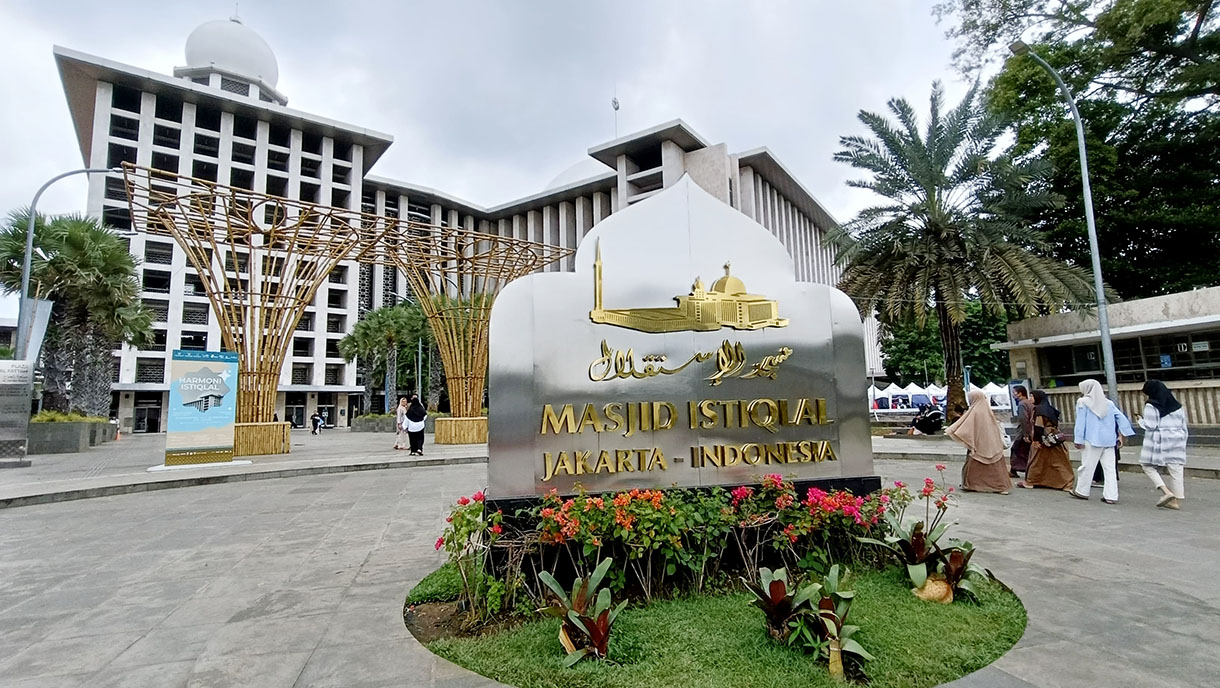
(1049, 465)
(402, 441)
(980, 432)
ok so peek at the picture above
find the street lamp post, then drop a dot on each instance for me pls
(23, 313)
(1107, 348)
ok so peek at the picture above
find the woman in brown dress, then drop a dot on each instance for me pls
(1049, 465)
(980, 432)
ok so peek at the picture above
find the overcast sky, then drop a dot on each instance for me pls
(489, 100)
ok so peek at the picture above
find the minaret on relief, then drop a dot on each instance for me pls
(597, 281)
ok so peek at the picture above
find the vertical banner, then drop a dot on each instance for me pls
(16, 385)
(202, 407)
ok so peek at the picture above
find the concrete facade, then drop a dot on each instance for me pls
(1174, 338)
(214, 123)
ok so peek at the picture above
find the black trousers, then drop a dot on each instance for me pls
(417, 440)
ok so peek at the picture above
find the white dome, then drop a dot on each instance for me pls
(577, 173)
(233, 47)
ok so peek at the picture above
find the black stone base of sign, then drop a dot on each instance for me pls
(861, 485)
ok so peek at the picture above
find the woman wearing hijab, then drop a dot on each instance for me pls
(1164, 424)
(1049, 465)
(1098, 424)
(980, 432)
(400, 422)
(415, 425)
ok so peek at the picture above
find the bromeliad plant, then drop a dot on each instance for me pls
(823, 629)
(778, 600)
(587, 614)
(956, 571)
(915, 545)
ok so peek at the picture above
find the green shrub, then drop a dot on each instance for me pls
(442, 585)
(60, 417)
(375, 416)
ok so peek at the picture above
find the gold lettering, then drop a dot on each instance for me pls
(745, 453)
(582, 462)
(548, 467)
(604, 461)
(657, 461)
(671, 413)
(565, 418)
(589, 419)
(690, 412)
(633, 419)
(614, 414)
(645, 416)
(821, 403)
(641, 455)
(805, 410)
(773, 453)
(623, 458)
(708, 414)
(712, 454)
(732, 455)
(805, 449)
(766, 422)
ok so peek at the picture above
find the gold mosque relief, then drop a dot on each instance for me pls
(726, 304)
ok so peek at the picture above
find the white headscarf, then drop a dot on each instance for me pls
(1094, 398)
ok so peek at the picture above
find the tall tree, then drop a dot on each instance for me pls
(86, 270)
(952, 226)
(1142, 50)
(378, 338)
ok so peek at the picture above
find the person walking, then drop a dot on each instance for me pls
(982, 436)
(1025, 429)
(1049, 465)
(415, 416)
(1100, 427)
(315, 423)
(400, 423)
(1164, 424)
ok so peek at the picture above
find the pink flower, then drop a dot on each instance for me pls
(440, 542)
(950, 488)
(463, 501)
(885, 499)
(927, 491)
(929, 482)
(940, 467)
(741, 494)
(496, 529)
(899, 484)
(478, 496)
(772, 480)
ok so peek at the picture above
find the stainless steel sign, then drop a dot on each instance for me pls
(637, 371)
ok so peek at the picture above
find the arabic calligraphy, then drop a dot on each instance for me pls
(731, 361)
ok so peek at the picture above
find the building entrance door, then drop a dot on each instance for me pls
(294, 408)
(147, 412)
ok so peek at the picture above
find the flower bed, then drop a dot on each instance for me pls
(577, 558)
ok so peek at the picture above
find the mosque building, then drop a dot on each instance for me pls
(221, 118)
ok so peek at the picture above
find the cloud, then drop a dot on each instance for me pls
(489, 100)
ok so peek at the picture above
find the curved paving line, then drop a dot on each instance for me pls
(195, 481)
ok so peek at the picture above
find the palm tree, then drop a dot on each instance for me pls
(87, 271)
(952, 227)
(376, 341)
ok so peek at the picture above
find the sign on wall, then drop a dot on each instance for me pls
(16, 385)
(681, 351)
(202, 407)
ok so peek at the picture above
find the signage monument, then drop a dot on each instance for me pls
(636, 370)
(202, 407)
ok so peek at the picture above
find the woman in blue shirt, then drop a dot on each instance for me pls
(1098, 424)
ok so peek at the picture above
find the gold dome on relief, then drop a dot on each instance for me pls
(728, 284)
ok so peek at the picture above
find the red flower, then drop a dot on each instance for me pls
(772, 480)
(478, 496)
(927, 491)
(440, 542)
(940, 467)
(448, 519)
(463, 501)
(741, 494)
(929, 482)
(496, 529)
(950, 488)
(547, 512)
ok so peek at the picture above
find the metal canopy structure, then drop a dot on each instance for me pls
(262, 258)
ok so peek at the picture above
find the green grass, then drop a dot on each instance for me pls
(442, 585)
(719, 641)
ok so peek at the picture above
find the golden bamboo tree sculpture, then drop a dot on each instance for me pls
(456, 273)
(260, 258)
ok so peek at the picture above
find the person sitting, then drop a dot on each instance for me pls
(928, 421)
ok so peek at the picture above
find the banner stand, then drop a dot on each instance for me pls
(202, 408)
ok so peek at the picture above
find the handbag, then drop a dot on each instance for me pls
(414, 425)
(1053, 437)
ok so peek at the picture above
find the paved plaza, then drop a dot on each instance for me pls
(300, 582)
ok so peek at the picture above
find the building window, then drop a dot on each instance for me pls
(169, 108)
(159, 253)
(124, 128)
(158, 309)
(119, 218)
(334, 374)
(166, 137)
(116, 189)
(241, 179)
(338, 275)
(156, 281)
(194, 341)
(165, 162)
(277, 160)
(243, 153)
(332, 349)
(150, 370)
(311, 143)
(117, 154)
(311, 168)
(1178, 356)
(234, 86)
(336, 324)
(195, 313)
(116, 370)
(237, 262)
(336, 298)
(156, 343)
(302, 373)
(207, 118)
(124, 98)
(309, 192)
(305, 324)
(206, 171)
(302, 347)
(193, 285)
(279, 136)
(207, 145)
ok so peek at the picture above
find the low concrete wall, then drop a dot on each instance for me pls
(59, 438)
(366, 424)
(1200, 398)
